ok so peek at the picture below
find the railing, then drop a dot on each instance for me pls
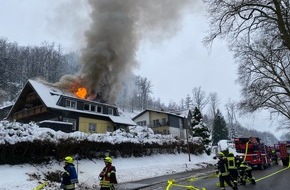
(29, 112)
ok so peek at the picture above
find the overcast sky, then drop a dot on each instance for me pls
(174, 65)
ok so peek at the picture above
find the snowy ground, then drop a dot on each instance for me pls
(128, 169)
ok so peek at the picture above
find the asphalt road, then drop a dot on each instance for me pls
(273, 178)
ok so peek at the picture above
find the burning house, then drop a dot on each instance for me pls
(64, 110)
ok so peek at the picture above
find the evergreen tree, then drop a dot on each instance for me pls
(220, 130)
(200, 129)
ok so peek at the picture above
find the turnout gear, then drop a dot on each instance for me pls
(233, 169)
(69, 176)
(246, 173)
(108, 175)
(224, 174)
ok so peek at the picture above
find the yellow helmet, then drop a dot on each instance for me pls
(108, 159)
(221, 154)
(68, 159)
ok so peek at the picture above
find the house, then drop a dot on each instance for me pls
(162, 122)
(4, 110)
(54, 108)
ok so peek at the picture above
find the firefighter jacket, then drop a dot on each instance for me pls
(108, 176)
(69, 177)
(223, 167)
(245, 167)
(232, 163)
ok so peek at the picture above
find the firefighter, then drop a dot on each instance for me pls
(274, 156)
(223, 172)
(246, 173)
(69, 177)
(108, 175)
(233, 168)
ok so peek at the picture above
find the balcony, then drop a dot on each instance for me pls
(29, 112)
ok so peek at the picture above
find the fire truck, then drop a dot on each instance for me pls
(283, 151)
(253, 151)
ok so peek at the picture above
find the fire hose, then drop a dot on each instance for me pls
(190, 187)
(41, 186)
(246, 152)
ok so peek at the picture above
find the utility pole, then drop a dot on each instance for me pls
(188, 145)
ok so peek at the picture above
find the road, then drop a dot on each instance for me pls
(273, 178)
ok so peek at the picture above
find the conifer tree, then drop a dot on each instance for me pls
(220, 130)
(200, 129)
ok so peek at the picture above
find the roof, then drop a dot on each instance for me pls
(182, 113)
(50, 96)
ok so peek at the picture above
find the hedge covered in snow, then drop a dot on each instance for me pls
(21, 143)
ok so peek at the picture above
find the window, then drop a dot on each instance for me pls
(70, 104)
(73, 121)
(110, 128)
(155, 123)
(141, 123)
(99, 109)
(87, 107)
(93, 108)
(163, 121)
(110, 111)
(92, 127)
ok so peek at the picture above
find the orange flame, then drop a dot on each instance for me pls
(81, 92)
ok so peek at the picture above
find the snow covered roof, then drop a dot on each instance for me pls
(51, 95)
(183, 113)
(122, 120)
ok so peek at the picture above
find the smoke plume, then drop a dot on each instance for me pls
(113, 38)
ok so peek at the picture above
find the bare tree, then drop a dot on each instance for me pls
(188, 102)
(231, 108)
(199, 98)
(259, 34)
(213, 103)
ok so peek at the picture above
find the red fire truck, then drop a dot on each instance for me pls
(253, 151)
(283, 151)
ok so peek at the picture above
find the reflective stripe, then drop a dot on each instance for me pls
(71, 186)
(225, 173)
(231, 163)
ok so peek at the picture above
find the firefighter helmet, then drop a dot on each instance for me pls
(244, 163)
(231, 154)
(69, 159)
(221, 154)
(108, 159)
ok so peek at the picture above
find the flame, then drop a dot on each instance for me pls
(81, 92)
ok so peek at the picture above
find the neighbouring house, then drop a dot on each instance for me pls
(175, 123)
(54, 108)
(4, 110)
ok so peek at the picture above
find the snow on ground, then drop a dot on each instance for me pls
(24, 177)
(128, 169)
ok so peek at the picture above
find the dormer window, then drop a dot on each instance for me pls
(99, 109)
(110, 111)
(71, 104)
